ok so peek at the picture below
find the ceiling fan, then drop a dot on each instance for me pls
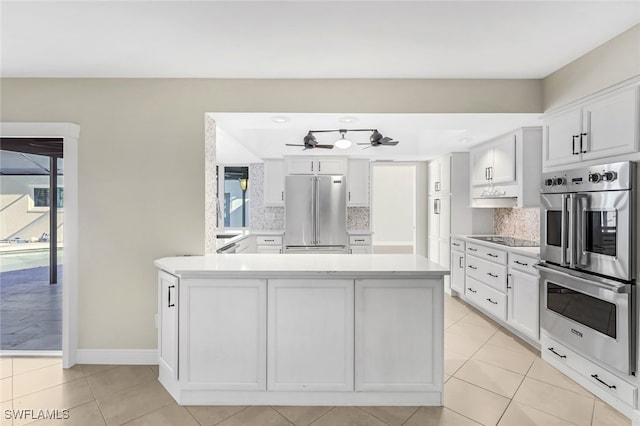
(310, 142)
(376, 139)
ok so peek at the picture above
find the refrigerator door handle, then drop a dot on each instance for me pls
(313, 209)
(317, 205)
(563, 231)
(572, 230)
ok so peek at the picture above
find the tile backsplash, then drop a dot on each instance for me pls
(517, 223)
(264, 218)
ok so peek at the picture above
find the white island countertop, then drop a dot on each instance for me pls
(281, 265)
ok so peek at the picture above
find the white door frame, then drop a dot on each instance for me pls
(69, 132)
(408, 164)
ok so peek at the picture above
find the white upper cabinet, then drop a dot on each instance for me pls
(440, 176)
(274, 182)
(494, 162)
(358, 183)
(316, 165)
(602, 126)
(505, 171)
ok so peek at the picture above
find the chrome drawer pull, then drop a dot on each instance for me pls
(471, 249)
(471, 290)
(456, 244)
(491, 301)
(472, 267)
(595, 376)
(491, 275)
(556, 353)
(520, 263)
(492, 255)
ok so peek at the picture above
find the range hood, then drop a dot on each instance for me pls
(493, 197)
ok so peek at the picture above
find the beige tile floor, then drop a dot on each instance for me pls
(491, 378)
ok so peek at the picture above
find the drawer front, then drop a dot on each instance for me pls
(457, 244)
(488, 273)
(523, 263)
(602, 379)
(359, 240)
(494, 255)
(487, 298)
(271, 240)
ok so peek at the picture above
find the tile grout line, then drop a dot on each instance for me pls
(373, 415)
(282, 415)
(104, 419)
(234, 414)
(328, 411)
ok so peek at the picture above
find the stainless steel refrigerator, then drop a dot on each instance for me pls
(315, 209)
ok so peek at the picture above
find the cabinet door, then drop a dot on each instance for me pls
(524, 301)
(331, 166)
(481, 159)
(444, 216)
(398, 334)
(433, 218)
(301, 166)
(457, 271)
(168, 323)
(559, 143)
(611, 125)
(224, 334)
(273, 182)
(434, 177)
(268, 250)
(310, 335)
(434, 249)
(504, 160)
(445, 176)
(360, 249)
(358, 183)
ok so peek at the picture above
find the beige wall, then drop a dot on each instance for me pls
(614, 61)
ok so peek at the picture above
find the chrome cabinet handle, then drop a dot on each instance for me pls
(492, 275)
(455, 244)
(491, 301)
(556, 353)
(508, 286)
(472, 267)
(471, 290)
(492, 255)
(595, 376)
(581, 136)
(520, 263)
(573, 144)
(471, 249)
(170, 305)
(460, 262)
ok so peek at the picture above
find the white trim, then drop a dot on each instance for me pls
(70, 133)
(635, 418)
(117, 356)
(48, 354)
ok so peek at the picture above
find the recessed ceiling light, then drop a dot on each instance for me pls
(348, 119)
(464, 140)
(280, 119)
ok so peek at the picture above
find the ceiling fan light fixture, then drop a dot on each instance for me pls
(343, 143)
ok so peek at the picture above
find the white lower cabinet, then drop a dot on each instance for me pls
(457, 271)
(168, 323)
(268, 244)
(396, 335)
(310, 335)
(524, 302)
(360, 244)
(224, 346)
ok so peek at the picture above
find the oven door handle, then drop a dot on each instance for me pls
(593, 281)
(563, 231)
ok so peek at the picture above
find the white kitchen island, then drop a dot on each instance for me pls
(316, 329)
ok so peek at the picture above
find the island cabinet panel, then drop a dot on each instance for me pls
(223, 334)
(168, 329)
(398, 335)
(310, 325)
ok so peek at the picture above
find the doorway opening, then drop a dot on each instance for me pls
(393, 207)
(31, 243)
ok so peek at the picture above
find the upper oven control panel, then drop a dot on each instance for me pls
(606, 177)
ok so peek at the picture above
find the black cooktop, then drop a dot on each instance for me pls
(508, 241)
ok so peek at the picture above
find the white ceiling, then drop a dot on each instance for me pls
(250, 137)
(304, 39)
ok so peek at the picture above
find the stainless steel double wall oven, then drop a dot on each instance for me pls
(587, 248)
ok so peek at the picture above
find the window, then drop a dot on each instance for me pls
(233, 196)
(41, 197)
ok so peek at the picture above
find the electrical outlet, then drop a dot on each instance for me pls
(155, 318)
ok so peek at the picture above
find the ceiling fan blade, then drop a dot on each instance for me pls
(367, 147)
(293, 144)
(391, 143)
(363, 144)
(325, 146)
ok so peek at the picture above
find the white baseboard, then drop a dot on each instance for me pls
(635, 418)
(117, 356)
